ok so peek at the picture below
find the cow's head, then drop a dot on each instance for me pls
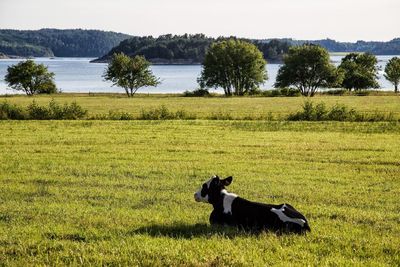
(211, 190)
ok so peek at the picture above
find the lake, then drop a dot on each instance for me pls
(78, 75)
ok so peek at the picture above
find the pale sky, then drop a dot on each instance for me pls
(343, 20)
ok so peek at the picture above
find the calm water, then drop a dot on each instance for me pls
(78, 75)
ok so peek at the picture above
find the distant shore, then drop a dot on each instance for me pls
(155, 61)
(161, 61)
(4, 56)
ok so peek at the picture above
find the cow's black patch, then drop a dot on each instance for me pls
(204, 190)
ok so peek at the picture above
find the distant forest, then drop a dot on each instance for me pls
(165, 49)
(190, 49)
(185, 49)
(377, 48)
(59, 43)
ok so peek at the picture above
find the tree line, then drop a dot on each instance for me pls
(308, 68)
(191, 49)
(186, 49)
(236, 66)
(239, 68)
(391, 47)
(96, 43)
(60, 43)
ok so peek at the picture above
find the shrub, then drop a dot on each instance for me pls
(37, 112)
(291, 92)
(116, 115)
(73, 112)
(377, 116)
(268, 117)
(55, 111)
(335, 92)
(362, 93)
(197, 93)
(162, 113)
(342, 113)
(11, 112)
(307, 114)
(319, 112)
(220, 116)
(113, 115)
(272, 93)
(183, 115)
(254, 91)
(337, 112)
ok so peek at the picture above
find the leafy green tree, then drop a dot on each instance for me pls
(360, 71)
(130, 73)
(234, 65)
(31, 78)
(392, 72)
(307, 67)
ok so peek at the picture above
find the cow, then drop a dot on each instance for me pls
(232, 210)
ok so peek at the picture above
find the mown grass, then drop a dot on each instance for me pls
(121, 192)
(206, 108)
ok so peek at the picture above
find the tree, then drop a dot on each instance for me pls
(307, 68)
(236, 66)
(130, 73)
(31, 78)
(360, 71)
(392, 72)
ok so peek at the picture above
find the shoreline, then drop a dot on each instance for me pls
(378, 93)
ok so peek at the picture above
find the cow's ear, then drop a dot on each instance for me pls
(227, 181)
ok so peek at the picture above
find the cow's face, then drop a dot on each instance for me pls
(211, 189)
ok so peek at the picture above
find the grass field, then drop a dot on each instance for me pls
(103, 192)
(203, 108)
(121, 193)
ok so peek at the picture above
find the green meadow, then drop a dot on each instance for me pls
(93, 192)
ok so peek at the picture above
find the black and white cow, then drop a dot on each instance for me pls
(229, 209)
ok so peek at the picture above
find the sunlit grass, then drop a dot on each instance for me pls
(101, 192)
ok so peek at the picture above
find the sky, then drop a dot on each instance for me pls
(342, 20)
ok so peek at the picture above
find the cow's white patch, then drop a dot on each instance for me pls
(199, 198)
(228, 199)
(284, 218)
(197, 195)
